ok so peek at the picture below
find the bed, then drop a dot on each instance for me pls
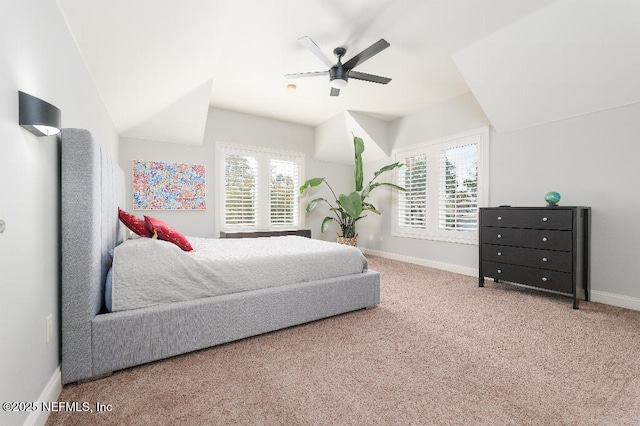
(96, 342)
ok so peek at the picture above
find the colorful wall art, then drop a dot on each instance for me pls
(160, 185)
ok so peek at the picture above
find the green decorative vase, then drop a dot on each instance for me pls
(552, 198)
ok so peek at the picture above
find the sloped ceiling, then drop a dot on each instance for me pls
(334, 138)
(152, 60)
(570, 58)
(182, 121)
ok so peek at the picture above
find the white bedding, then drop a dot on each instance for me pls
(148, 272)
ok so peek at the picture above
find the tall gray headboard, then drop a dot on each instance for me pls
(92, 188)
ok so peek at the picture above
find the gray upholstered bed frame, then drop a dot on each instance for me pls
(94, 343)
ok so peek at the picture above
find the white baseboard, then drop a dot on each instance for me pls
(50, 393)
(615, 300)
(464, 270)
(595, 296)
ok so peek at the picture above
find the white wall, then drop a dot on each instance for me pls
(590, 160)
(231, 127)
(37, 56)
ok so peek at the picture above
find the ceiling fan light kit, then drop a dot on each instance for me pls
(338, 83)
(339, 73)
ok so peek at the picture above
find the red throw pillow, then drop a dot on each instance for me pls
(134, 223)
(161, 230)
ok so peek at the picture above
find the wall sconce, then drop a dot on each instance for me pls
(37, 116)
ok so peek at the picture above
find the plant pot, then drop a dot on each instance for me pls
(353, 241)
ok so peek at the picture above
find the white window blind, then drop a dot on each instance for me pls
(458, 195)
(260, 188)
(283, 192)
(412, 203)
(240, 190)
(446, 181)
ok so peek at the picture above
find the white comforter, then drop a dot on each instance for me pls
(148, 272)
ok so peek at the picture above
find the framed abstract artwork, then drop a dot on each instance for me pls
(161, 185)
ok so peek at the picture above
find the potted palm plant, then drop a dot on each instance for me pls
(348, 209)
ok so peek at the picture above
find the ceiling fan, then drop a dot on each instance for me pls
(340, 73)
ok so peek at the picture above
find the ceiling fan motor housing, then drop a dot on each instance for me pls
(339, 73)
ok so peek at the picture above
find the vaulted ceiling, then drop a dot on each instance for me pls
(159, 65)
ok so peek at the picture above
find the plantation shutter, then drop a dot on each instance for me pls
(458, 192)
(241, 185)
(260, 188)
(412, 203)
(446, 181)
(283, 192)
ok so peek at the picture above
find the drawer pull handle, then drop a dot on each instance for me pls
(544, 219)
(499, 271)
(544, 279)
(544, 259)
(499, 217)
(544, 239)
(499, 253)
(499, 235)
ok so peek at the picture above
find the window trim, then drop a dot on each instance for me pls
(264, 154)
(432, 149)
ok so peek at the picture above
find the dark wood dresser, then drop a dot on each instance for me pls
(544, 247)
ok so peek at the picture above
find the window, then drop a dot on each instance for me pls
(412, 204)
(283, 191)
(446, 181)
(458, 194)
(259, 188)
(240, 189)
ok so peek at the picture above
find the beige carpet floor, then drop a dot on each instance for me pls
(438, 350)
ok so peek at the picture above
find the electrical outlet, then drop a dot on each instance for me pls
(49, 328)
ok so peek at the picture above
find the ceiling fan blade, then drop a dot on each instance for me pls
(306, 74)
(367, 53)
(334, 92)
(309, 44)
(368, 77)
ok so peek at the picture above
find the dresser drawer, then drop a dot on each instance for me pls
(531, 238)
(542, 259)
(524, 218)
(550, 280)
